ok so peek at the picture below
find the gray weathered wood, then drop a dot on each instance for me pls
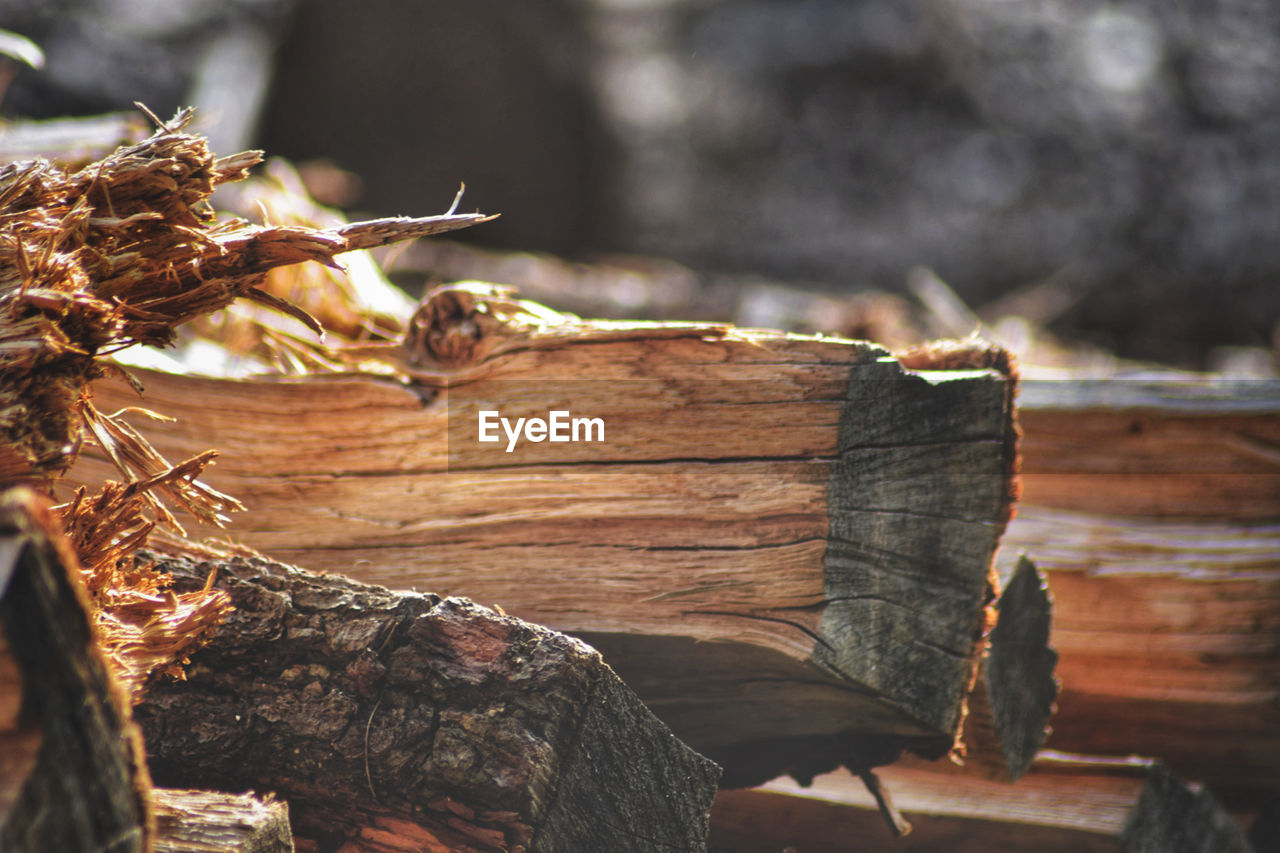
(1019, 668)
(1173, 817)
(916, 503)
(87, 788)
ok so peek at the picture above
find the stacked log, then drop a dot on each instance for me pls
(1153, 505)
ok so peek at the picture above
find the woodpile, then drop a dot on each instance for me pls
(408, 609)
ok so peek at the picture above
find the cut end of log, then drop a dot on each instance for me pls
(907, 504)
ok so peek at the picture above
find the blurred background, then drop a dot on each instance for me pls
(1110, 172)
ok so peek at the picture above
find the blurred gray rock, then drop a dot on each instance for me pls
(1129, 147)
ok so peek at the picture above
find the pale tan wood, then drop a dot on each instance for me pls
(190, 821)
(762, 821)
(71, 141)
(1097, 797)
(1181, 447)
(1097, 803)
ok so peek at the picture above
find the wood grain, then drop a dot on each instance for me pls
(1153, 506)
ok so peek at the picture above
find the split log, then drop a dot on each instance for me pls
(75, 778)
(1017, 688)
(1099, 806)
(765, 821)
(1153, 506)
(389, 718)
(213, 822)
(783, 544)
(1172, 448)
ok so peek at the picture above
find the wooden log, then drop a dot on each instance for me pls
(1153, 506)
(1015, 696)
(779, 539)
(86, 788)
(19, 743)
(635, 287)
(214, 822)
(763, 821)
(385, 716)
(1061, 804)
(1172, 448)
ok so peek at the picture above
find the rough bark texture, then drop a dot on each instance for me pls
(19, 742)
(88, 787)
(213, 822)
(366, 708)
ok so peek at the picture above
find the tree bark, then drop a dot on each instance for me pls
(385, 716)
(85, 788)
(1172, 817)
